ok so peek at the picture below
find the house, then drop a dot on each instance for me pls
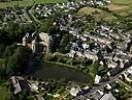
(90, 55)
(34, 44)
(85, 46)
(130, 70)
(19, 84)
(44, 42)
(16, 85)
(96, 95)
(108, 1)
(108, 87)
(127, 78)
(24, 40)
(128, 45)
(74, 91)
(116, 91)
(112, 65)
(99, 3)
(108, 96)
(34, 86)
(97, 79)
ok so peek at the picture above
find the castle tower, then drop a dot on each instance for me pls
(25, 39)
(34, 45)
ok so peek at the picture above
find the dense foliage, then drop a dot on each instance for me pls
(14, 60)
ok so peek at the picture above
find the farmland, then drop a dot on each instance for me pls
(121, 7)
(117, 7)
(98, 13)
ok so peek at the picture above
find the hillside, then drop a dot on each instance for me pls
(110, 12)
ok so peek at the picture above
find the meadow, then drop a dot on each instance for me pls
(111, 11)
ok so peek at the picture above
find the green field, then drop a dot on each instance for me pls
(121, 7)
(16, 3)
(124, 2)
(117, 7)
(24, 3)
(50, 1)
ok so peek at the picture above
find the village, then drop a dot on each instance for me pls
(97, 49)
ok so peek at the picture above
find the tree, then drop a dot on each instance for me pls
(15, 59)
(18, 62)
(46, 26)
(64, 43)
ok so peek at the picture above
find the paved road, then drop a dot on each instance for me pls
(101, 85)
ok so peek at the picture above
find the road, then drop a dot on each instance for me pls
(102, 84)
(32, 15)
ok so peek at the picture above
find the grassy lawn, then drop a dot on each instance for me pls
(57, 71)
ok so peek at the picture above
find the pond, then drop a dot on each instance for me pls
(57, 71)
